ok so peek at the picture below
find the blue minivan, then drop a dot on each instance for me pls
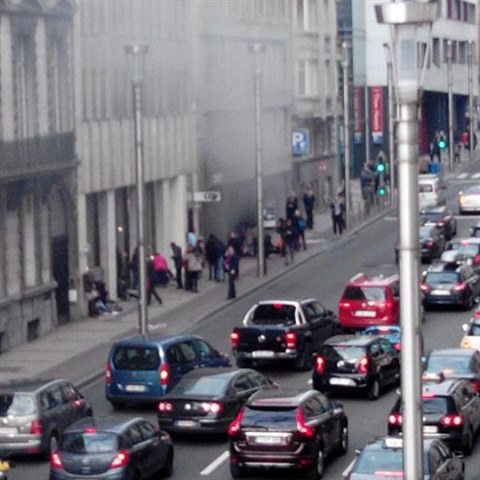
(141, 370)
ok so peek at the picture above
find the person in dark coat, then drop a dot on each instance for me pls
(211, 255)
(178, 262)
(337, 208)
(151, 279)
(291, 205)
(309, 203)
(231, 267)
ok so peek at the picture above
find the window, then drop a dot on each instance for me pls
(307, 78)
(436, 52)
(133, 435)
(306, 15)
(147, 430)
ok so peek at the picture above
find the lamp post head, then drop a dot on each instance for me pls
(136, 58)
(345, 54)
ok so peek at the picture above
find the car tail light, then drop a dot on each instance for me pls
(429, 243)
(121, 459)
(452, 421)
(291, 340)
(319, 365)
(395, 419)
(234, 426)
(476, 259)
(389, 305)
(55, 460)
(36, 427)
(388, 473)
(424, 287)
(108, 374)
(304, 429)
(211, 407)
(344, 304)
(398, 347)
(475, 384)
(363, 365)
(90, 430)
(164, 374)
(235, 339)
(441, 223)
(165, 407)
(459, 287)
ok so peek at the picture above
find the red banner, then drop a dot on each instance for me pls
(376, 114)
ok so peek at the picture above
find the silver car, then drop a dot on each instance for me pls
(469, 200)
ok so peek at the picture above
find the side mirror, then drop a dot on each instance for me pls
(465, 327)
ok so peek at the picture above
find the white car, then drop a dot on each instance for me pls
(471, 337)
(469, 200)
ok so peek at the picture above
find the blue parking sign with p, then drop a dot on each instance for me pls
(300, 141)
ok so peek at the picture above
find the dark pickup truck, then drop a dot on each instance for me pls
(283, 330)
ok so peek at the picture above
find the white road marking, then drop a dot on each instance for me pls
(157, 326)
(349, 467)
(390, 219)
(215, 464)
(476, 175)
(463, 175)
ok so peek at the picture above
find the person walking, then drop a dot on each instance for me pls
(231, 267)
(290, 238)
(178, 262)
(151, 280)
(337, 208)
(309, 204)
(300, 226)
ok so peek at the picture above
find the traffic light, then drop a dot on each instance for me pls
(381, 190)
(381, 166)
(442, 143)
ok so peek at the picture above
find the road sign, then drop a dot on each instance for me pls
(207, 196)
(300, 141)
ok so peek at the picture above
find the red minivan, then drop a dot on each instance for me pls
(369, 300)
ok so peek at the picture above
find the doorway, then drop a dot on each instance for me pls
(61, 275)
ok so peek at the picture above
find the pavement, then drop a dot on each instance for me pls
(75, 350)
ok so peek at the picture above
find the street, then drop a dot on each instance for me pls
(370, 250)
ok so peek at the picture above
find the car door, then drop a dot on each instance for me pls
(322, 421)
(139, 450)
(380, 362)
(392, 361)
(77, 405)
(319, 321)
(178, 364)
(205, 354)
(155, 450)
(395, 294)
(443, 465)
(468, 407)
(59, 414)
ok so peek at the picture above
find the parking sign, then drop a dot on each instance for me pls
(300, 141)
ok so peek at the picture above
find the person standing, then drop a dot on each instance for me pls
(211, 255)
(309, 204)
(231, 267)
(337, 208)
(219, 267)
(300, 225)
(178, 262)
(194, 267)
(291, 205)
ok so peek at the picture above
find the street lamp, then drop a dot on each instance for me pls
(404, 18)
(470, 48)
(346, 129)
(450, 104)
(257, 49)
(136, 57)
(391, 106)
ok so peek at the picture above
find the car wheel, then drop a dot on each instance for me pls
(243, 363)
(236, 471)
(467, 444)
(343, 448)
(52, 445)
(167, 469)
(318, 467)
(373, 391)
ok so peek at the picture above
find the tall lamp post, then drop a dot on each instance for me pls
(391, 106)
(470, 48)
(346, 130)
(404, 19)
(257, 49)
(450, 105)
(136, 56)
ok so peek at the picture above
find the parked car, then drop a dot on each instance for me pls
(450, 284)
(430, 188)
(356, 363)
(469, 248)
(469, 200)
(471, 337)
(456, 363)
(451, 411)
(432, 243)
(283, 330)
(442, 217)
(112, 449)
(278, 429)
(33, 415)
(382, 459)
(142, 370)
(369, 300)
(207, 400)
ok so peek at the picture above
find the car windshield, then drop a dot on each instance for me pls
(467, 249)
(200, 386)
(441, 277)
(448, 364)
(85, 442)
(342, 352)
(425, 233)
(16, 404)
(136, 358)
(425, 187)
(433, 216)
(373, 294)
(375, 461)
(274, 314)
(271, 417)
(434, 405)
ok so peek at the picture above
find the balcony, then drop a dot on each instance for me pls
(44, 155)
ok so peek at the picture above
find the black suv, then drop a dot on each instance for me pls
(34, 415)
(358, 362)
(450, 284)
(280, 429)
(451, 411)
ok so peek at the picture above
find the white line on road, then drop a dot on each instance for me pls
(157, 326)
(476, 175)
(215, 464)
(463, 175)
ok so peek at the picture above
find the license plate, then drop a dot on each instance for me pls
(135, 388)
(342, 381)
(440, 292)
(364, 313)
(430, 429)
(268, 440)
(186, 423)
(8, 430)
(262, 354)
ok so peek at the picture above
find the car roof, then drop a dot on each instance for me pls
(379, 444)
(286, 302)
(361, 279)
(138, 340)
(351, 340)
(220, 372)
(281, 397)
(436, 209)
(106, 424)
(454, 352)
(440, 266)
(28, 386)
(445, 387)
(466, 240)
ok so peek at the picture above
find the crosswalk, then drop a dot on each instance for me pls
(465, 176)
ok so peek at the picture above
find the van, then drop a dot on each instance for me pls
(141, 370)
(429, 191)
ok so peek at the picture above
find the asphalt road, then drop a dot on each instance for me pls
(323, 277)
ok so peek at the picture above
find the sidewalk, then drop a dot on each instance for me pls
(76, 350)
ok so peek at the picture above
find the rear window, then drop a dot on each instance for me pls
(449, 364)
(274, 314)
(84, 442)
(271, 417)
(385, 460)
(468, 249)
(200, 386)
(425, 188)
(442, 277)
(435, 405)
(16, 404)
(373, 294)
(342, 352)
(136, 358)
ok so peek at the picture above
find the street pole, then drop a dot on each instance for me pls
(470, 97)
(257, 50)
(346, 131)
(391, 140)
(136, 51)
(450, 106)
(404, 19)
